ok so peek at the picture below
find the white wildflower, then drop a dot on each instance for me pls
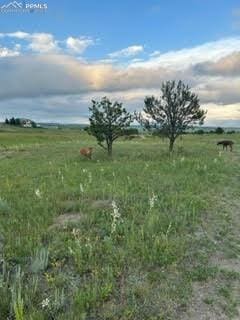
(152, 200)
(84, 170)
(45, 303)
(115, 215)
(90, 177)
(75, 232)
(169, 228)
(81, 188)
(38, 193)
(70, 250)
(215, 160)
(182, 159)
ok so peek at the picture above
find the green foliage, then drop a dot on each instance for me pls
(219, 130)
(90, 272)
(107, 121)
(17, 300)
(130, 131)
(4, 207)
(12, 121)
(40, 261)
(34, 125)
(175, 111)
(86, 129)
(199, 131)
(17, 122)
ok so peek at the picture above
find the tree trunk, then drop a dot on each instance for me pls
(110, 149)
(171, 144)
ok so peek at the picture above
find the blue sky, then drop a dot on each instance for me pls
(54, 62)
(158, 25)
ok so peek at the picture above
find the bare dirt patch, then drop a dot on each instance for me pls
(199, 309)
(218, 298)
(66, 219)
(101, 204)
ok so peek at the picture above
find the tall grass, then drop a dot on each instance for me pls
(123, 260)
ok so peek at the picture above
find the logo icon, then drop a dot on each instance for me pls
(12, 6)
(16, 6)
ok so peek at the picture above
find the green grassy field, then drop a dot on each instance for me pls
(113, 239)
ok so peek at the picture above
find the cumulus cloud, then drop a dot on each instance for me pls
(58, 86)
(227, 66)
(184, 58)
(127, 52)
(6, 52)
(39, 75)
(219, 90)
(155, 53)
(38, 42)
(62, 74)
(46, 42)
(56, 74)
(17, 34)
(79, 45)
(43, 43)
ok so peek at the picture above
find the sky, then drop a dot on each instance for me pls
(54, 61)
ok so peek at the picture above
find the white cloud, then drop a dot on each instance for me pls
(226, 66)
(185, 58)
(59, 84)
(155, 53)
(6, 52)
(43, 43)
(79, 45)
(127, 52)
(46, 43)
(17, 34)
(55, 74)
(38, 42)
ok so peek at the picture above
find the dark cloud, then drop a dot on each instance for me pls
(228, 66)
(58, 87)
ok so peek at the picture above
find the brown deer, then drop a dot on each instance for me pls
(226, 144)
(86, 152)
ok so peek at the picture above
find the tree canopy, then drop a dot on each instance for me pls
(107, 121)
(176, 110)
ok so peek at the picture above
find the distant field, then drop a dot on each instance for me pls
(128, 238)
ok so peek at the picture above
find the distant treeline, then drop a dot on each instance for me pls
(125, 132)
(160, 132)
(20, 122)
(218, 130)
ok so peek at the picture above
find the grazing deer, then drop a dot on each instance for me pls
(226, 143)
(86, 152)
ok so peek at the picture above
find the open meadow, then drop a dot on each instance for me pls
(145, 235)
